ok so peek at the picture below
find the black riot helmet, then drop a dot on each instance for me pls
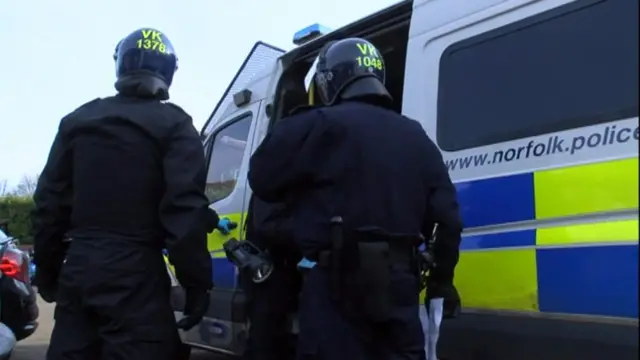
(145, 64)
(350, 69)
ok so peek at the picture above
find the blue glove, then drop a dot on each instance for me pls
(306, 264)
(225, 226)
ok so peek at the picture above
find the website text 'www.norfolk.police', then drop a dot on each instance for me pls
(553, 145)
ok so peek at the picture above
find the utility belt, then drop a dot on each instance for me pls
(360, 265)
(403, 258)
(150, 242)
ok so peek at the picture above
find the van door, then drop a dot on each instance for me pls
(228, 136)
(534, 105)
(229, 148)
(226, 183)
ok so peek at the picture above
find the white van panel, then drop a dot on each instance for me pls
(426, 47)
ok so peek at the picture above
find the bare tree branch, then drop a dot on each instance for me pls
(4, 187)
(27, 185)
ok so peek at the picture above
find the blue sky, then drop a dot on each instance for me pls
(56, 55)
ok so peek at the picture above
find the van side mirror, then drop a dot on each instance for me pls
(268, 110)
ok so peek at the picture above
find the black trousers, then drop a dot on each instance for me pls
(113, 304)
(326, 333)
(269, 308)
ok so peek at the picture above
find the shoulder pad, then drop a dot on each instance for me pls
(88, 103)
(301, 108)
(413, 121)
(180, 111)
(175, 107)
(78, 109)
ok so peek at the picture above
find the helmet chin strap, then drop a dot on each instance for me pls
(312, 88)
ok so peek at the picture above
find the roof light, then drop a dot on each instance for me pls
(309, 33)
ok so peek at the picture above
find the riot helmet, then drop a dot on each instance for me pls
(145, 64)
(349, 69)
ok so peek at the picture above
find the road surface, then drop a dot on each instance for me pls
(35, 346)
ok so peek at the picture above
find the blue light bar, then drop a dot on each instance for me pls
(309, 33)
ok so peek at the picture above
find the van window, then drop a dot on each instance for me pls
(573, 66)
(227, 152)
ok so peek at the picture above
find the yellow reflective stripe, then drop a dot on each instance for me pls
(312, 87)
(506, 279)
(602, 232)
(215, 239)
(166, 261)
(218, 254)
(584, 189)
(498, 279)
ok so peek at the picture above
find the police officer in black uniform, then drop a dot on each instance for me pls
(357, 166)
(125, 178)
(272, 302)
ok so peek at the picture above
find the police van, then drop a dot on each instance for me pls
(534, 105)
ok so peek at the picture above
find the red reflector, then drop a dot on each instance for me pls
(9, 267)
(13, 265)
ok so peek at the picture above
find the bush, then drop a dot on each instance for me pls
(16, 211)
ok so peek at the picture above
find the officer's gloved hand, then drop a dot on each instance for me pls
(306, 264)
(196, 306)
(46, 284)
(451, 306)
(225, 226)
(48, 295)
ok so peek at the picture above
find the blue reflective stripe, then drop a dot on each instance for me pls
(500, 240)
(224, 273)
(598, 280)
(497, 200)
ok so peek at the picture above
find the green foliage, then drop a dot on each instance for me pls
(15, 208)
(16, 212)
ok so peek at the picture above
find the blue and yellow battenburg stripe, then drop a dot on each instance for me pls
(224, 272)
(588, 268)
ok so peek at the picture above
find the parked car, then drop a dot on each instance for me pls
(7, 342)
(18, 304)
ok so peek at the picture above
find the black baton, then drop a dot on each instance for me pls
(337, 242)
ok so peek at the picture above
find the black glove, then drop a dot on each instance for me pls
(46, 282)
(48, 268)
(451, 305)
(47, 288)
(196, 306)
